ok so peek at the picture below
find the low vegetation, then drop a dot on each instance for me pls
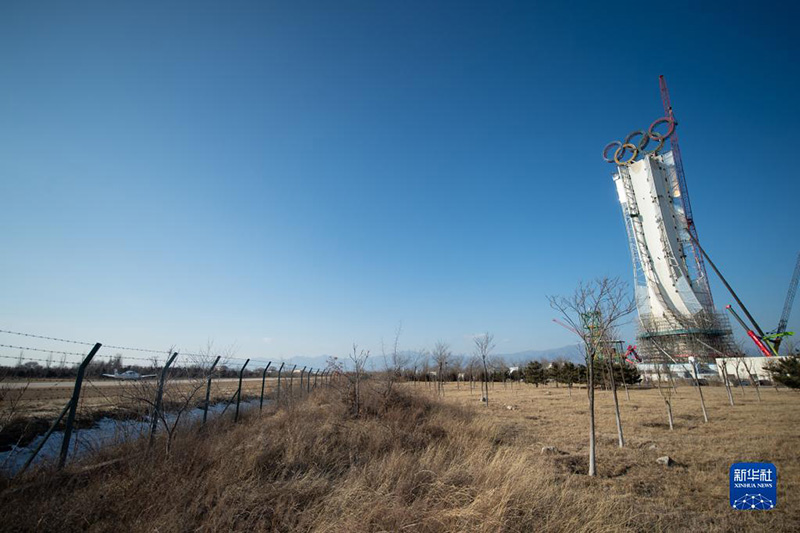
(411, 462)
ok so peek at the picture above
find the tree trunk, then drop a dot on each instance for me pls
(741, 386)
(754, 381)
(486, 382)
(700, 390)
(727, 383)
(620, 438)
(669, 414)
(624, 382)
(672, 381)
(590, 391)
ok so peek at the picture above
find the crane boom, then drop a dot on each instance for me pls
(774, 338)
(684, 190)
(787, 305)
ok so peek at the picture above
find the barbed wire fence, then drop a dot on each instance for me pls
(59, 402)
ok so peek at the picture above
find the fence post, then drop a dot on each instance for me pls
(46, 436)
(308, 380)
(73, 405)
(159, 397)
(208, 389)
(263, 381)
(315, 378)
(302, 372)
(239, 391)
(278, 394)
(291, 382)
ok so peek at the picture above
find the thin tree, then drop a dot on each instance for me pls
(726, 378)
(753, 379)
(394, 362)
(607, 349)
(441, 354)
(359, 360)
(474, 370)
(419, 364)
(693, 362)
(591, 312)
(484, 344)
(665, 392)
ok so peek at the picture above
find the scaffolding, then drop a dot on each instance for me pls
(677, 318)
(704, 336)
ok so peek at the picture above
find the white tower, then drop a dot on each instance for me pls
(677, 318)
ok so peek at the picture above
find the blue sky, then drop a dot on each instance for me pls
(291, 177)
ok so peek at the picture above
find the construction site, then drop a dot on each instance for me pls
(678, 324)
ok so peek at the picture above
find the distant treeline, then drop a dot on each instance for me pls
(534, 372)
(96, 369)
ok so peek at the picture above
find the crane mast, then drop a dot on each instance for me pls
(684, 190)
(780, 332)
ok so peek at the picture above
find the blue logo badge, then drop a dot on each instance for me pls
(753, 486)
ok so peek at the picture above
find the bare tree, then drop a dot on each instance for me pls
(607, 348)
(484, 344)
(359, 360)
(419, 363)
(753, 378)
(497, 366)
(473, 364)
(457, 368)
(592, 312)
(441, 354)
(741, 360)
(725, 378)
(665, 392)
(394, 362)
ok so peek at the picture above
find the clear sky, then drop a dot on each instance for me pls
(295, 176)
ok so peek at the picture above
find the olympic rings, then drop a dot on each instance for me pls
(643, 143)
(605, 151)
(656, 149)
(640, 147)
(657, 136)
(621, 150)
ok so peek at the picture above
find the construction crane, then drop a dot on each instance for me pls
(775, 337)
(759, 341)
(681, 178)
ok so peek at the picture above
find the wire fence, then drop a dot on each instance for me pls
(58, 403)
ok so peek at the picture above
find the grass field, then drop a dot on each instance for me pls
(411, 462)
(696, 488)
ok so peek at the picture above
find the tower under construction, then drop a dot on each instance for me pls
(677, 318)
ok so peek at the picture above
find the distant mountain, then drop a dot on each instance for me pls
(315, 362)
(570, 352)
(375, 362)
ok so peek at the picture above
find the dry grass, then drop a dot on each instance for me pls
(412, 463)
(46, 398)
